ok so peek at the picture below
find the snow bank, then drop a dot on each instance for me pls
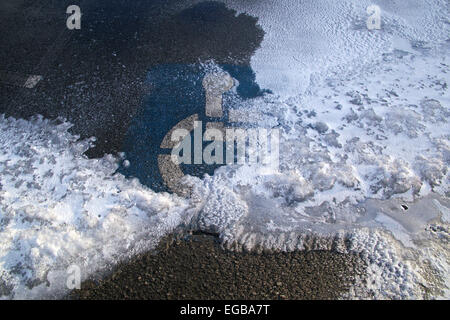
(58, 208)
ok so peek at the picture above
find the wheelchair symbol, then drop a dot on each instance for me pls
(215, 85)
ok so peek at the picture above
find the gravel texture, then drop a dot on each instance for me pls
(196, 267)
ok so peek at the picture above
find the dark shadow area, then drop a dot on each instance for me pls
(96, 77)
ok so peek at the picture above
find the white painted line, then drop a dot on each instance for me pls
(32, 81)
(19, 80)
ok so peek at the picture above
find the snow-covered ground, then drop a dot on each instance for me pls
(307, 40)
(364, 156)
(381, 134)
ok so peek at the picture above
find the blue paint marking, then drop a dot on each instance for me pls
(176, 94)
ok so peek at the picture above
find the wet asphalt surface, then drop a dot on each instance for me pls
(96, 78)
(198, 268)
